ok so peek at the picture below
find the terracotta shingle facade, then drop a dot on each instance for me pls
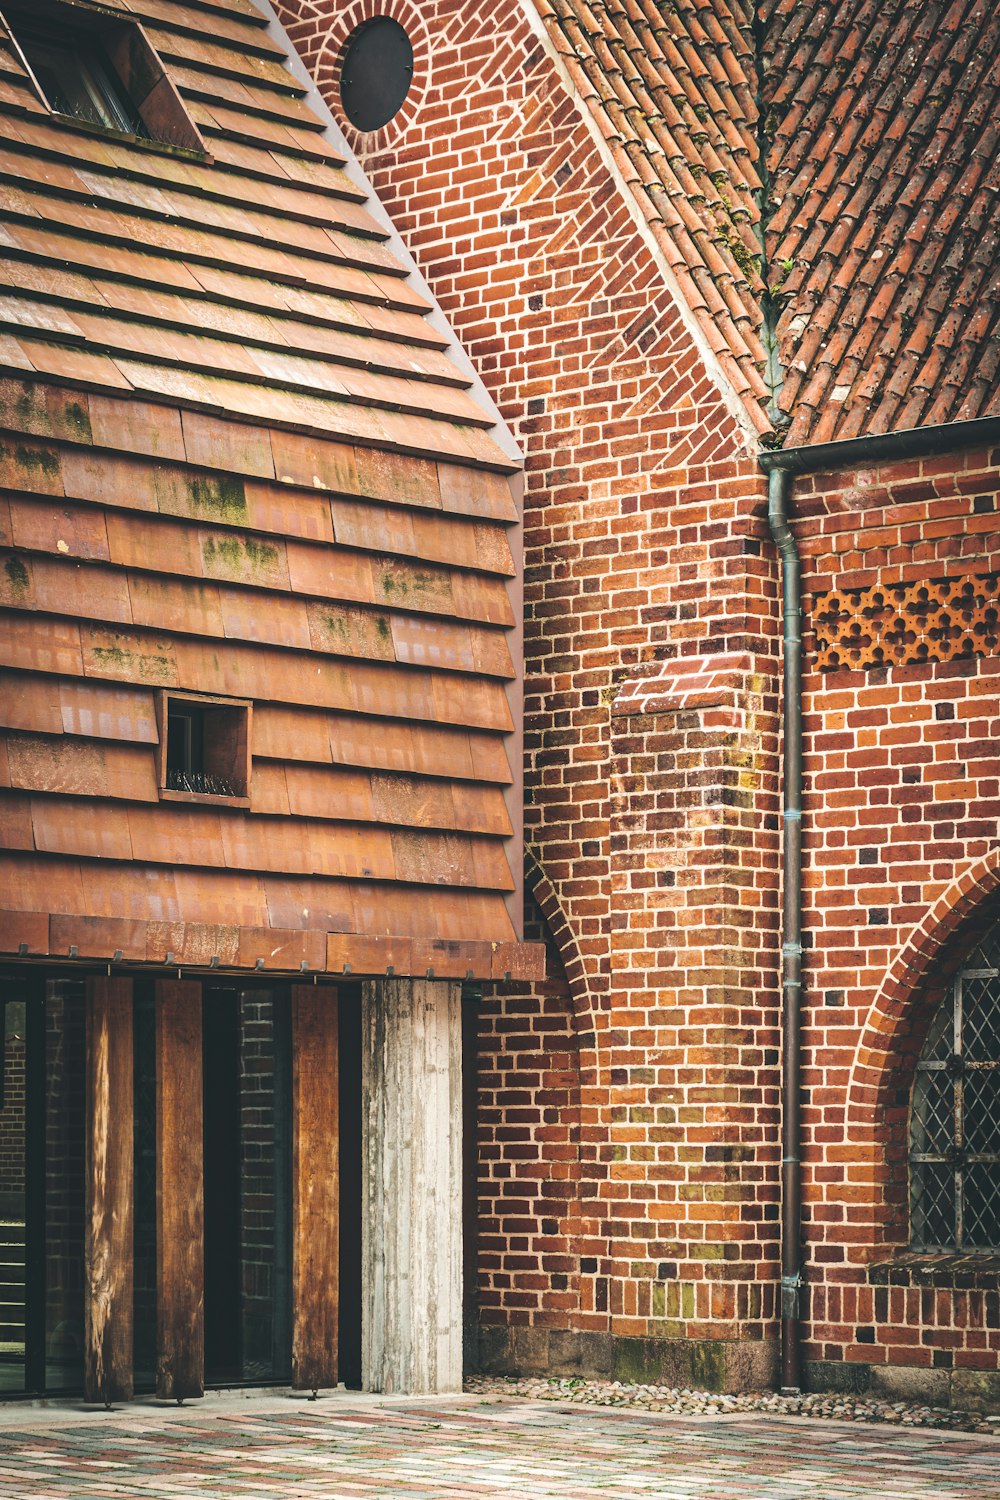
(239, 461)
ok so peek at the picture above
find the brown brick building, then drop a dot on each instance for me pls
(726, 274)
(687, 248)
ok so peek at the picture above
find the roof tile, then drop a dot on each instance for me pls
(880, 135)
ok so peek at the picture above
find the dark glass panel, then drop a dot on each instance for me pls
(376, 73)
(13, 1128)
(932, 1203)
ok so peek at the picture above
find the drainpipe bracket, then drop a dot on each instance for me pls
(791, 1286)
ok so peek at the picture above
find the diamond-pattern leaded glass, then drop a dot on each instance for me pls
(981, 1112)
(980, 1016)
(955, 1114)
(932, 1121)
(932, 1204)
(981, 1209)
(941, 1037)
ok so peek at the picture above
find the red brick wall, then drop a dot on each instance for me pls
(529, 1148)
(901, 818)
(644, 544)
(652, 776)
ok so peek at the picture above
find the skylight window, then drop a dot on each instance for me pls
(78, 80)
(96, 68)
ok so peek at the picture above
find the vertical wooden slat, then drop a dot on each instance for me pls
(180, 1198)
(315, 1187)
(411, 1230)
(108, 1251)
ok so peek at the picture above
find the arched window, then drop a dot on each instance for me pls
(955, 1113)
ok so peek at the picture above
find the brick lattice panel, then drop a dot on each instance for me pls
(893, 624)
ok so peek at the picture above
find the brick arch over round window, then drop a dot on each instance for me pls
(878, 1093)
(321, 32)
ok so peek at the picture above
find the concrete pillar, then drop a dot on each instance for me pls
(411, 1236)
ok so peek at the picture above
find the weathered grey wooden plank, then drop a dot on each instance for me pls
(108, 1250)
(315, 1187)
(180, 1194)
(412, 1186)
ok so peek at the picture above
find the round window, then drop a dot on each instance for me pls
(376, 73)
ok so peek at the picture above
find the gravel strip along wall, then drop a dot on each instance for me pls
(661, 1398)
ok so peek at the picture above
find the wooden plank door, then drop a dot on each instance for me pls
(108, 1251)
(315, 1186)
(180, 1194)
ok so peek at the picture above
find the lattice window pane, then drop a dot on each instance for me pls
(932, 1203)
(980, 1017)
(940, 1041)
(987, 955)
(932, 1122)
(981, 1216)
(982, 1112)
(955, 1113)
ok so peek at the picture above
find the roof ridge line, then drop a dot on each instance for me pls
(500, 432)
(740, 400)
(770, 297)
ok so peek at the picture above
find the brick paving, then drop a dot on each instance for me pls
(280, 1448)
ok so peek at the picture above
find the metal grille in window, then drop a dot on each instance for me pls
(955, 1114)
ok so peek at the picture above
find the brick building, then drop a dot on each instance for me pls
(709, 258)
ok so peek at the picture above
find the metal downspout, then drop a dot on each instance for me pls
(779, 491)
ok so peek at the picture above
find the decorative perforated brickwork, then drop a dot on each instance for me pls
(893, 624)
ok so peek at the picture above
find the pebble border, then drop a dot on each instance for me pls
(661, 1398)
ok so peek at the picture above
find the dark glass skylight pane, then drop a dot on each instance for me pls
(77, 81)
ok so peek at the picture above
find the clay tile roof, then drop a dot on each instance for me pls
(673, 87)
(824, 181)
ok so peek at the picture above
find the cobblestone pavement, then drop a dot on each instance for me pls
(489, 1448)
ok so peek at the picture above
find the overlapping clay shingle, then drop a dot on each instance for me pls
(855, 288)
(237, 459)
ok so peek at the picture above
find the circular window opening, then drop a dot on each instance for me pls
(376, 73)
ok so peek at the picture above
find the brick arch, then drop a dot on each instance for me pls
(336, 24)
(563, 935)
(876, 1060)
(877, 1102)
(586, 1008)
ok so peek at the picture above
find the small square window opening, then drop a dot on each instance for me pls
(204, 748)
